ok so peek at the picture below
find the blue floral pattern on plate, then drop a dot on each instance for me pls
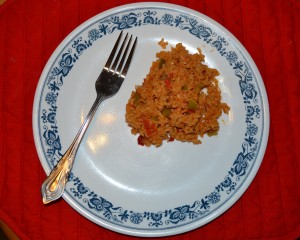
(243, 162)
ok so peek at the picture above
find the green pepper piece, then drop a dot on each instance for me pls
(137, 97)
(166, 112)
(185, 88)
(192, 104)
(161, 63)
(212, 133)
(154, 118)
(199, 87)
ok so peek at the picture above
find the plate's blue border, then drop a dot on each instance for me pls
(94, 204)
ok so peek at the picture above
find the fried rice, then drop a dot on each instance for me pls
(179, 99)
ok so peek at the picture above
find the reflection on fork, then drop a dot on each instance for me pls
(107, 84)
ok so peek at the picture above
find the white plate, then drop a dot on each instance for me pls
(138, 190)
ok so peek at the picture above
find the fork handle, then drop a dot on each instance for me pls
(54, 185)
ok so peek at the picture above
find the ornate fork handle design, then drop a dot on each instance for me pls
(53, 187)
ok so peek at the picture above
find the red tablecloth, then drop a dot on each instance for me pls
(30, 30)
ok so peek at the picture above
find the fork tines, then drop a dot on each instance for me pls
(120, 65)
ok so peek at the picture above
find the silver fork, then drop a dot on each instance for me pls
(107, 84)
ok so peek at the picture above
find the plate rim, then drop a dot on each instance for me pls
(238, 45)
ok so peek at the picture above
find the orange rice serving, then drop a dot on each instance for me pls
(178, 100)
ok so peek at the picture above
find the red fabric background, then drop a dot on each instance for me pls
(269, 29)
